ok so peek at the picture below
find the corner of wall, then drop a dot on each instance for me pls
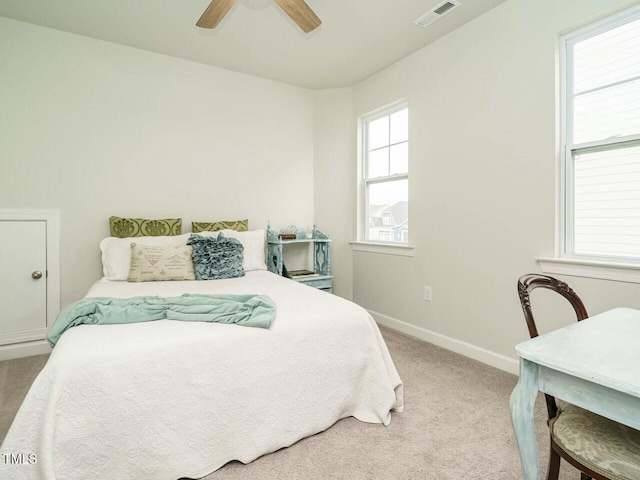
(334, 166)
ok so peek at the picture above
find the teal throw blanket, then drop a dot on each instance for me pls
(248, 310)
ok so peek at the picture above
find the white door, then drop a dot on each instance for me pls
(23, 281)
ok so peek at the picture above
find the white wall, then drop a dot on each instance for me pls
(483, 150)
(97, 129)
(334, 184)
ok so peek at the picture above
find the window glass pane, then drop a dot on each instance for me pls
(607, 203)
(378, 134)
(379, 163)
(614, 111)
(606, 84)
(388, 216)
(606, 58)
(400, 126)
(399, 159)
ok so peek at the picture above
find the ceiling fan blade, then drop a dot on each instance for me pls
(214, 13)
(300, 13)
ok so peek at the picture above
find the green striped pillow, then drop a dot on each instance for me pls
(237, 225)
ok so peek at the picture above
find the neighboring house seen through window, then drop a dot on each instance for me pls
(601, 131)
(386, 175)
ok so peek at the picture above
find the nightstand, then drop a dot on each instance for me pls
(320, 277)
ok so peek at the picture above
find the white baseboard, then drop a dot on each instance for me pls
(26, 349)
(468, 350)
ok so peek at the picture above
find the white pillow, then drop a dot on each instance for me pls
(253, 243)
(116, 252)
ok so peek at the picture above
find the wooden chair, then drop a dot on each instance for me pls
(600, 448)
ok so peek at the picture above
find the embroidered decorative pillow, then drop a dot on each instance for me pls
(143, 227)
(237, 225)
(215, 258)
(116, 253)
(152, 263)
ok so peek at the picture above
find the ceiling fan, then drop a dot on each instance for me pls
(298, 10)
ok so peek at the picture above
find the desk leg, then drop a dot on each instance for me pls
(521, 406)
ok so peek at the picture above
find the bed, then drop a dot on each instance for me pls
(164, 400)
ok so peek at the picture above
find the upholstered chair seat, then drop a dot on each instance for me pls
(606, 447)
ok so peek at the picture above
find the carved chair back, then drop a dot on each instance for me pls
(528, 283)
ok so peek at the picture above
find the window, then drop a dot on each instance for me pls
(386, 175)
(601, 122)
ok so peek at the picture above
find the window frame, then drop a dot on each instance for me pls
(364, 162)
(568, 149)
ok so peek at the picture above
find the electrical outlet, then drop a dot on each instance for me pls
(427, 293)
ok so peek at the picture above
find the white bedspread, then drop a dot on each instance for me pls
(164, 400)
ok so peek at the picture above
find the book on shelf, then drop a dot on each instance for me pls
(287, 236)
(302, 273)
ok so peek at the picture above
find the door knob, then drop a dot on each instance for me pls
(36, 275)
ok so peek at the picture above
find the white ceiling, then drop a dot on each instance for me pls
(356, 39)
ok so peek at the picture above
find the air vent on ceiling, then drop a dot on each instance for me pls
(437, 12)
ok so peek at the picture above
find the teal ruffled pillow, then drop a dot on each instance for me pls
(215, 258)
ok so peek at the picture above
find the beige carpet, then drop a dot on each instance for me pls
(455, 426)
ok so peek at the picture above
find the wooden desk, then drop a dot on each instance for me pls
(594, 364)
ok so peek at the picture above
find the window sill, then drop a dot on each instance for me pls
(619, 272)
(401, 250)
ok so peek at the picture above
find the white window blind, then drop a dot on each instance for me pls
(602, 137)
